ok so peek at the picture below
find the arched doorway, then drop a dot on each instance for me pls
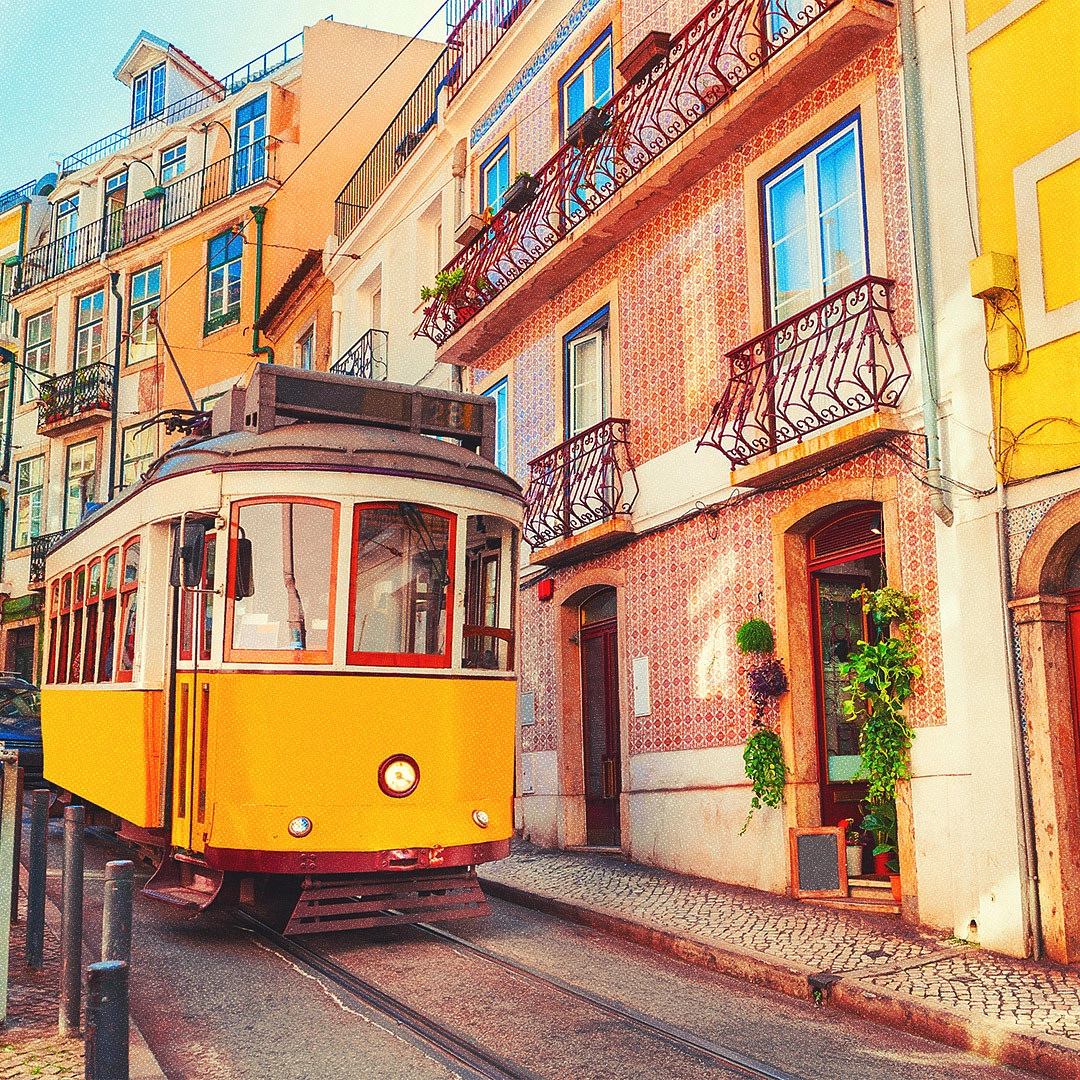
(598, 639)
(1072, 642)
(846, 553)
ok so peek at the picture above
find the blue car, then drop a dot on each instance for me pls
(20, 724)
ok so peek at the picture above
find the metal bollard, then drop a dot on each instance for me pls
(71, 922)
(10, 761)
(116, 914)
(107, 1021)
(35, 884)
(16, 866)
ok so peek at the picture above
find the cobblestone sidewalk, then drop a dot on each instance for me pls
(909, 973)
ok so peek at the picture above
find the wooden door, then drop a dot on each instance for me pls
(600, 715)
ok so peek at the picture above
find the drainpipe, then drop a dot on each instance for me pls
(114, 277)
(924, 284)
(259, 213)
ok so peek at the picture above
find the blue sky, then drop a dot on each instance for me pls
(57, 92)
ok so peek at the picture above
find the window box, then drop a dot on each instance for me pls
(468, 230)
(154, 192)
(219, 322)
(652, 48)
(520, 193)
(587, 128)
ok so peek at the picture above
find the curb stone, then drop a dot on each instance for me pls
(997, 1040)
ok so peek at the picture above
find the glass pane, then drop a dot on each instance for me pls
(292, 558)
(127, 634)
(843, 246)
(586, 382)
(131, 564)
(401, 578)
(601, 72)
(95, 580)
(788, 242)
(602, 606)
(575, 98)
(110, 571)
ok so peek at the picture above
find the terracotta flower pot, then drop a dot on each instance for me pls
(897, 891)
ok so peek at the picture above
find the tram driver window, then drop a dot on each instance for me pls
(490, 559)
(402, 578)
(293, 551)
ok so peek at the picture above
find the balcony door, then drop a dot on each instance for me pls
(600, 718)
(588, 390)
(250, 163)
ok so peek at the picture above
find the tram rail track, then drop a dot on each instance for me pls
(483, 1062)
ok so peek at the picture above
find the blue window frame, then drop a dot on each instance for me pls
(250, 143)
(587, 83)
(148, 95)
(498, 393)
(224, 262)
(815, 222)
(587, 378)
(495, 177)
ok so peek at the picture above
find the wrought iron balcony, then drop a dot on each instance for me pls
(709, 59)
(40, 547)
(579, 484)
(12, 198)
(75, 396)
(366, 359)
(187, 106)
(835, 360)
(479, 29)
(183, 198)
(415, 118)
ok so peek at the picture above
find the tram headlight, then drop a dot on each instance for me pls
(299, 826)
(481, 818)
(398, 776)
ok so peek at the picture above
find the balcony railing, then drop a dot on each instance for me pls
(366, 359)
(68, 396)
(480, 28)
(40, 547)
(415, 118)
(839, 358)
(711, 57)
(183, 198)
(578, 484)
(8, 199)
(176, 111)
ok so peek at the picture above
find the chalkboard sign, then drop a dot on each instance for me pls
(818, 862)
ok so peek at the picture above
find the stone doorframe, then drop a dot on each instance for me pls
(578, 588)
(1039, 619)
(791, 529)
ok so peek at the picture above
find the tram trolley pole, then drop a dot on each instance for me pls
(71, 922)
(35, 883)
(106, 1044)
(9, 762)
(116, 912)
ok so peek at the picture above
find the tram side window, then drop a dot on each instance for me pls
(293, 555)
(74, 672)
(93, 597)
(129, 610)
(107, 655)
(65, 629)
(490, 562)
(402, 576)
(54, 614)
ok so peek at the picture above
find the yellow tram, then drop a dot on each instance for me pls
(285, 657)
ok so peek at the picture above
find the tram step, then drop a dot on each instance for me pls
(186, 883)
(357, 901)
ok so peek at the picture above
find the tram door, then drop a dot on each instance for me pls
(600, 715)
(192, 720)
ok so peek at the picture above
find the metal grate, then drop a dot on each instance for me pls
(366, 359)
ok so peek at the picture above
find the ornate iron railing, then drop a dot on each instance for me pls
(11, 198)
(366, 359)
(63, 397)
(841, 357)
(578, 483)
(480, 27)
(40, 546)
(709, 59)
(179, 110)
(183, 198)
(413, 121)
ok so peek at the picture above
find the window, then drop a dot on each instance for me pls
(490, 556)
(306, 351)
(495, 178)
(173, 162)
(29, 483)
(65, 629)
(587, 83)
(588, 391)
(402, 581)
(376, 310)
(67, 222)
(145, 296)
(75, 672)
(9, 317)
(294, 552)
(148, 95)
(139, 450)
(79, 481)
(225, 258)
(89, 312)
(107, 656)
(129, 610)
(250, 143)
(815, 223)
(93, 596)
(204, 601)
(502, 450)
(37, 353)
(115, 199)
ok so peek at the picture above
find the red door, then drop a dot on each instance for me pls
(600, 715)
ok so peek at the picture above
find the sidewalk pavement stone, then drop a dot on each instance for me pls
(906, 971)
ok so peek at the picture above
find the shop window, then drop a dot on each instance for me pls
(289, 614)
(490, 562)
(129, 611)
(402, 586)
(588, 375)
(107, 655)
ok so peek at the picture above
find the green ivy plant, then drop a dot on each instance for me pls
(755, 635)
(879, 678)
(764, 759)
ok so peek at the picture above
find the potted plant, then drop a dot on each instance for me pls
(446, 281)
(521, 192)
(854, 847)
(880, 820)
(587, 128)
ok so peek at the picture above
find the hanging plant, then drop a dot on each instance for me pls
(764, 760)
(755, 635)
(768, 680)
(879, 681)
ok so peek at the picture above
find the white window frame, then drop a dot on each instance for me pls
(138, 445)
(142, 334)
(85, 479)
(500, 394)
(34, 496)
(598, 332)
(493, 161)
(89, 346)
(37, 355)
(177, 163)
